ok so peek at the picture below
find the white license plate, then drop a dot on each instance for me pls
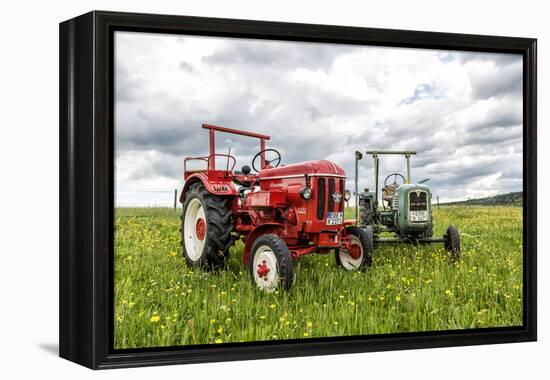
(419, 216)
(334, 218)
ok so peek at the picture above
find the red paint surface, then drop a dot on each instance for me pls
(200, 229)
(263, 270)
(274, 205)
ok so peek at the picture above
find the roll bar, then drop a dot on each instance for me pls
(406, 153)
(212, 131)
(375, 154)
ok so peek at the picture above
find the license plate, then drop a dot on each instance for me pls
(419, 216)
(334, 218)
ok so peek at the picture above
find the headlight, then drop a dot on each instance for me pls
(347, 195)
(306, 192)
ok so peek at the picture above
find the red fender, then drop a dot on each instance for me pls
(267, 228)
(218, 188)
(349, 222)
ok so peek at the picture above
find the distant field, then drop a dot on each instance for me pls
(159, 301)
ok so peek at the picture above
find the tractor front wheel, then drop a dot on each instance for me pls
(359, 255)
(205, 228)
(270, 264)
(452, 242)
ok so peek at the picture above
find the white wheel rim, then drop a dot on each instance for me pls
(348, 262)
(265, 258)
(193, 245)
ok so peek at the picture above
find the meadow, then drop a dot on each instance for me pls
(159, 301)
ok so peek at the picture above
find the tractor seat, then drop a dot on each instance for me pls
(388, 192)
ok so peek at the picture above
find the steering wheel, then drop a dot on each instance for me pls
(277, 159)
(395, 176)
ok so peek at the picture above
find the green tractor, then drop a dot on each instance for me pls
(405, 211)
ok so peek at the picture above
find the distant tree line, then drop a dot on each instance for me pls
(508, 199)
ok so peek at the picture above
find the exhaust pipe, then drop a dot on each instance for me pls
(358, 156)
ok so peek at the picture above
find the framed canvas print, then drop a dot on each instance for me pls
(235, 189)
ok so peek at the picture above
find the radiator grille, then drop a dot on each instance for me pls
(418, 201)
(321, 196)
(330, 194)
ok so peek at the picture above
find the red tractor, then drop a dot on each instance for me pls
(280, 213)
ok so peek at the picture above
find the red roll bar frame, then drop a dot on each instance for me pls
(212, 131)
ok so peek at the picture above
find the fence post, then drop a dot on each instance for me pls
(438, 202)
(175, 198)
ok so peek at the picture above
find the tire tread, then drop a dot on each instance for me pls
(218, 231)
(284, 259)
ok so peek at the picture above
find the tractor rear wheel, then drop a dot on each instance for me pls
(360, 254)
(271, 264)
(206, 228)
(366, 216)
(452, 242)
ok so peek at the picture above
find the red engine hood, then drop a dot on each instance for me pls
(317, 168)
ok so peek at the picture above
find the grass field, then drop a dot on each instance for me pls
(159, 301)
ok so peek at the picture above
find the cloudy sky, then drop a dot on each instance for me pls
(462, 112)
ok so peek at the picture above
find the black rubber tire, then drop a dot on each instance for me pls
(366, 237)
(366, 217)
(452, 242)
(285, 267)
(219, 226)
(429, 231)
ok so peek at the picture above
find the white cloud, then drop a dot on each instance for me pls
(460, 111)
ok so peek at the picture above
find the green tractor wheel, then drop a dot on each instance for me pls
(429, 231)
(452, 242)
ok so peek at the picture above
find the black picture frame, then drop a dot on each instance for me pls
(86, 188)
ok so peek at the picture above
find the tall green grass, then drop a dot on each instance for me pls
(159, 301)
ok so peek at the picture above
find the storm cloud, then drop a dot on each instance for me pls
(462, 112)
